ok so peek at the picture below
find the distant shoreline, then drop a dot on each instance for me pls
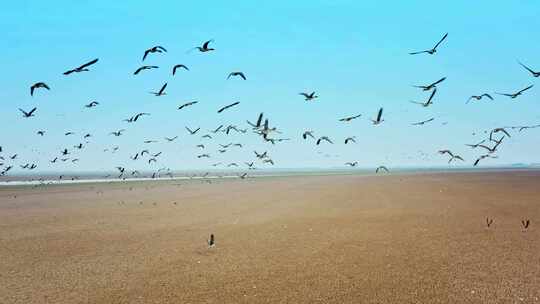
(85, 178)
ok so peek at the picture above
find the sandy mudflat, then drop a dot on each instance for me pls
(328, 239)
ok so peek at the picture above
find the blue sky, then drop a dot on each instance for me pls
(354, 54)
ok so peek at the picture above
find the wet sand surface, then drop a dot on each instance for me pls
(417, 238)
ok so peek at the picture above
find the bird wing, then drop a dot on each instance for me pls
(437, 82)
(379, 116)
(440, 41)
(526, 89)
(487, 95)
(162, 88)
(145, 54)
(205, 45)
(527, 68)
(415, 53)
(32, 111)
(88, 64)
(138, 70)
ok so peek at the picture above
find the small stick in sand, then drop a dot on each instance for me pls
(525, 223)
(489, 221)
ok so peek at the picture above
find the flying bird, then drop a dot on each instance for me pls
(29, 113)
(192, 132)
(38, 85)
(240, 74)
(161, 91)
(155, 49)
(309, 96)
(430, 86)
(478, 97)
(347, 119)
(434, 49)
(350, 139)
(171, 139)
(145, 67)
(421, 123)
(381, 168)
(179, 66)
(82, 68)
(379, 119)
(353, 164)
(514, 95)
(92, 104)
(308, 133)
(187, 104)
(429, 101)
(204, 48)
(228, 106)
(325, 138)
(117, 133)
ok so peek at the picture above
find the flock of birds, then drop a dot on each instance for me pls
(261, 126)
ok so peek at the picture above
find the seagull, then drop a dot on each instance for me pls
(82, 68)
(481, 158)
(88, 135)
(434, 49)
(192, 132)
(204, 47)
(430, 86)
(41, 133)
(381, 168)
(69, 133)
(348, 139)
(171, 139)
(421, 123)
(136, 117)
(179, 66)
(203, 155)
(429, 101)
(268, 161)
(347, 119)
(200, 146)
(379, 119)
(161, 91)
(353, 164)
(38, 85)
(217, 129)
(145, 67)
(65, 152)
(325, 138)
(261, 155)
(494, 148)
(207, 136)
(478, 97)
(155, 49)
(308, 133)
(474, 146)
(28, 114)
(535, 74)
(514, 95)
(228, 106)
(117, 133)
(211, 242)
(152, 160)
(92, 104)
(232, 74)
(497, 130)
(187, 104)
(309, 96)
(150, 141)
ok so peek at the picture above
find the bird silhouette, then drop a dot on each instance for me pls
(82, 68)
(432, 50)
